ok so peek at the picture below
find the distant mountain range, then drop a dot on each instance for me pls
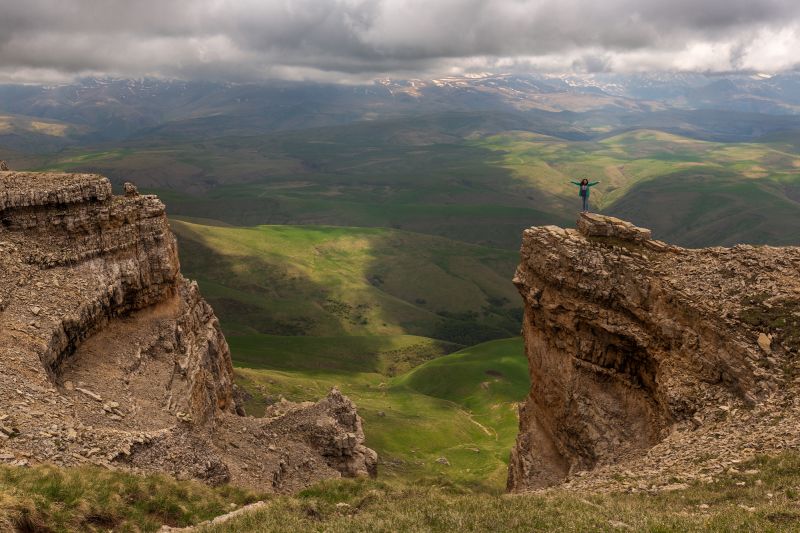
(97, 110)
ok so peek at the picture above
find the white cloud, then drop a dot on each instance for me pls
(358, 39)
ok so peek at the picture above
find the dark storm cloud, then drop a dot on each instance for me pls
(250, 39)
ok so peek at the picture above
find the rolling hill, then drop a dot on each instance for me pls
(341, 282)
(688, 191)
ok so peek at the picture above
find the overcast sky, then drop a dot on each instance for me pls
(354, 40)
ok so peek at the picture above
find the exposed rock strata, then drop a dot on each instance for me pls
(631, 340)
(111, 357)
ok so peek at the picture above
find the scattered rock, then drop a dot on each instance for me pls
(130, 190)
(674, 486)
(765, 342)
(443, 461)
(8, 431)
(90, 394)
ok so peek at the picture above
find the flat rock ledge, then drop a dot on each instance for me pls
(604, 226)
(594, 225)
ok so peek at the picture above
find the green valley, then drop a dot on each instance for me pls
(459, 409)
(376, 256)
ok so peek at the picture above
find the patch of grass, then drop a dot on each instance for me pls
(48, 498)
(781, 318)
(761, 496)
(733, 503)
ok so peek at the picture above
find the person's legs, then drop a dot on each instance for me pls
(585, 207)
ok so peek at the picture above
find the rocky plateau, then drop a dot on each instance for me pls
(651, 365)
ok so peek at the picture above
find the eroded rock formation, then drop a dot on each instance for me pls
(635, 345)
(111, 357)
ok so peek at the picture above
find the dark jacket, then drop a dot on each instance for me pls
(583, 190)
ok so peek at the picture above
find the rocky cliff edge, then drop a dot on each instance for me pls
(110, 357)
(652, 365)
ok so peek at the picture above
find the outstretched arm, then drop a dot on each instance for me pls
(574, 182)
(593, 183)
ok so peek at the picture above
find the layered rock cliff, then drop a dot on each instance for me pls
(111, 357)
(663, 361)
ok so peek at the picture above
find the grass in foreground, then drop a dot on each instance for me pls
(47, 498)
(768, 500)
(763, 496)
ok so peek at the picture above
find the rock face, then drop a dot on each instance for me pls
(631, 341)
(110, 356)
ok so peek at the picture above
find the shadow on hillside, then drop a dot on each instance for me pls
(457, 293)
(249, 307)
(465, 290)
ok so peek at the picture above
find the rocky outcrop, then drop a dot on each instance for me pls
(112, 357)
(631, 341)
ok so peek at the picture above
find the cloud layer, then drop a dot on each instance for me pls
(359, 39)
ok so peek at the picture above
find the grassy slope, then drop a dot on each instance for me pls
(389, 354)
(341, 282)
(709, 206)
(766, 501)
(43, 498)
(46, 498)
(462, 406)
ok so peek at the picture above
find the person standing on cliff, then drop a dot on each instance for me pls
(583, 191)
